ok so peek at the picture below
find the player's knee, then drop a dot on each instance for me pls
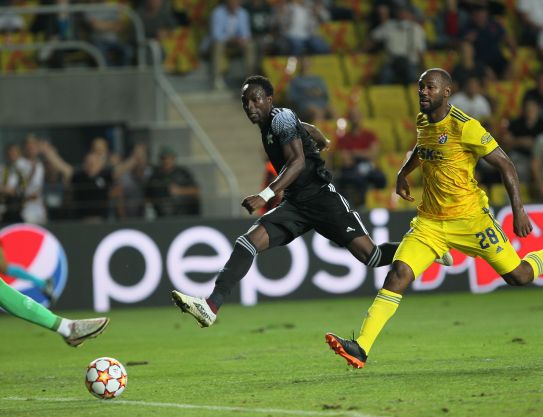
(243, 243)
(257, 237)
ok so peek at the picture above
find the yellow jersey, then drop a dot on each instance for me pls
(448, 151)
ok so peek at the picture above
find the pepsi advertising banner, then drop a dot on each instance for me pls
(113, 265)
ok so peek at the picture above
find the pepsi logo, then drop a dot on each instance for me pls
(39, 252)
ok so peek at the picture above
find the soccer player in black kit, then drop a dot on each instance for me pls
(310, 201)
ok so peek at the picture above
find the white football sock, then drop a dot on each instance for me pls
(64, 328)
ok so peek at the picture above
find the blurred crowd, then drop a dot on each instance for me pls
(38, 184)
(402, 29)
(493, 49)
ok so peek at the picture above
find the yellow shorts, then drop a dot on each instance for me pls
(480, 235)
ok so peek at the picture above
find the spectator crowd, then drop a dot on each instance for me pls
(38, 184)
(488, 40)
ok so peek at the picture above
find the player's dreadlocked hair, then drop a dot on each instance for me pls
(262, 82)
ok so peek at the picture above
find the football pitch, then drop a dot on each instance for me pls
(455, 355)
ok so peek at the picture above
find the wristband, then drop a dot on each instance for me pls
(267, 193)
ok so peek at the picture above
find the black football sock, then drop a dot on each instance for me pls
(383, 254)
(235, 269)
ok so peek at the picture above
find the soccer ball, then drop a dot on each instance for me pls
(106, 378)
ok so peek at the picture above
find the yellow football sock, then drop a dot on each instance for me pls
(535, 259)
(383, 308)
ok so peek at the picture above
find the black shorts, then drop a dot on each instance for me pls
(328, 213)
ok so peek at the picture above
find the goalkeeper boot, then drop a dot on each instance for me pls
(197, 307)
(81, 330)
(348, 349)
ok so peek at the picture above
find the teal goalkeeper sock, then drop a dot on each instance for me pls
(26, 308)
(18, 272)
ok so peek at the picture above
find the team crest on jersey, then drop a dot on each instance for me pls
(269, 138)
(443, 138)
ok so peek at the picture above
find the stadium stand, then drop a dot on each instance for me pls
(388, 101)
(350, 71)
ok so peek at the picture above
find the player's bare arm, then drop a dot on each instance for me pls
(295, 163)
(318, 137)
(499, 160)
(402, 186)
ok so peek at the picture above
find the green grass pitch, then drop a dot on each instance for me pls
(457, 355)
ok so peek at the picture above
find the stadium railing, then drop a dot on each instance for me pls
(164, 87)
(81, 8)
(180, 107)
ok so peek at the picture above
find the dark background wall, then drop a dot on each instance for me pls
(114, 265)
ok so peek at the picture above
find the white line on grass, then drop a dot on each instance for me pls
(350, 413)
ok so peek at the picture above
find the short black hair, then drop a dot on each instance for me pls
(444, 76)
(262, 82)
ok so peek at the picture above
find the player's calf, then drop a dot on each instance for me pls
(521, 275)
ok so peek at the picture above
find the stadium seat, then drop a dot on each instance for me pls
(17, 61)
(440, 59)
(280, 70)
(406, 133)
(329, 68)
(359, 8)
(510, 22)
(384, 129)
(507, 98)
(412, 92)
(362, 68)
(341, 36)
(344, 98)
(526, 63)
(390, 163)
(332, 129)
(198, 11)
(389, 101)
(429, 8)
(181, 51)
(29, 18)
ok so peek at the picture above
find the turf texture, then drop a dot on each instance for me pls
(458, 355)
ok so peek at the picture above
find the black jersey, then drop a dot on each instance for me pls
(285, 127)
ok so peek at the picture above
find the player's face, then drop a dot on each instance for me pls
(432, 94)
(256, 104)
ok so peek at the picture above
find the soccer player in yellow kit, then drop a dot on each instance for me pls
(453, 212)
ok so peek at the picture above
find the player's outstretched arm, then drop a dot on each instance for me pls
(402, 186)
(295, 163)
(499, 160)
(318, 137)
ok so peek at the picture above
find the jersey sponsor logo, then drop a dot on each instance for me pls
(487, 138)
(349, 229)
(443, 138)
(269, 138)
(39, 252)
(430, 154)
(499, 249)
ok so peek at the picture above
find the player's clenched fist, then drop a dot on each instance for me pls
(253, 202)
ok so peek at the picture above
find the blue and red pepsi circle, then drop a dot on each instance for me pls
(37, 250)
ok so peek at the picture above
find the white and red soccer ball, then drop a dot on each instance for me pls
(106, 378)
